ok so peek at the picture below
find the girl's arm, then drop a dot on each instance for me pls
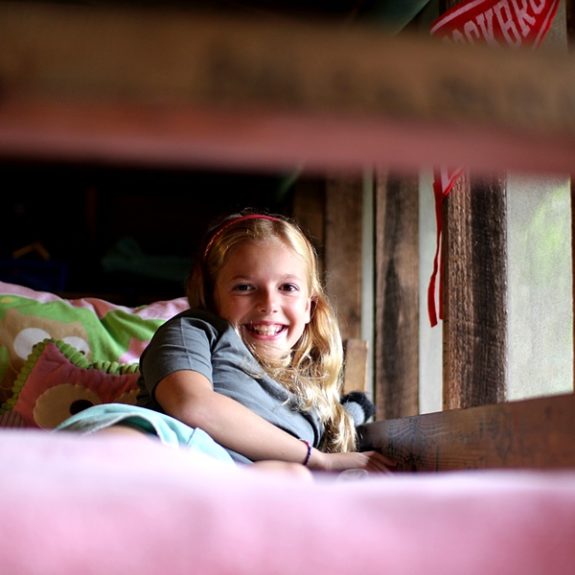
(189, 397)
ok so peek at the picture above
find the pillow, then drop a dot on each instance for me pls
(57, 381)
(103, 331)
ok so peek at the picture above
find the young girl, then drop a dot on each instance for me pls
(251, 372)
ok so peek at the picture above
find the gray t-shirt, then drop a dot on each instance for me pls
(200, 341)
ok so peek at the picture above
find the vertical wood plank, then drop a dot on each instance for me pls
(343, 254)
(475, 289)
(308, 209)
(475, 322)
(355, 373)
(397, 305)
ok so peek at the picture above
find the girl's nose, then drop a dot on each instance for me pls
(267, 302)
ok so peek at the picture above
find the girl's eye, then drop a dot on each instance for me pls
(290, 287)
(242, 287)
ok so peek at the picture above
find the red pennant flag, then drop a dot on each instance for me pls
(497, 22)
(510, 23)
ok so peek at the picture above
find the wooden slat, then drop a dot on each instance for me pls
(396, 296)
(355, 373)
(343, 252)
(475, 294)
(179, 88)
(308, 209)
(535, 433)
(325, 208)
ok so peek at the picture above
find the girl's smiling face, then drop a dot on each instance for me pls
(262, 290)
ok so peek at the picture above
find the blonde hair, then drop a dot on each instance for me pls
(314, 372)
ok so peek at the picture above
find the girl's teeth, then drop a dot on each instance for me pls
(266, 329)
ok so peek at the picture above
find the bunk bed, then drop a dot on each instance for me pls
(482, 490)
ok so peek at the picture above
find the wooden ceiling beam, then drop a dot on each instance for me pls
(187, 88)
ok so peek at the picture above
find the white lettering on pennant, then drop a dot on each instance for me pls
(507, 23)
(472, 32)
(525, 20)
(485, 22)
(507, 20)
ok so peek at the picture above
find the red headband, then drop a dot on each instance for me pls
(233, 221)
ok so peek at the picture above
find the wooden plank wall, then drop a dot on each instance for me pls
(396, 372)
(475, 294)
(330, 210)
(535, 433)
(343, 251)
(308, 209)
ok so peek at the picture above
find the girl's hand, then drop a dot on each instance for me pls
(371, 461)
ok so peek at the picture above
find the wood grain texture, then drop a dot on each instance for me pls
(308, 210)
(330, 213)
(475, 293)
(343, 252)
(355, 373)
(535, 433)
(182, 88)
(396, 296)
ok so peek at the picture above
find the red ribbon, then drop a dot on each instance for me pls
(443, 182)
